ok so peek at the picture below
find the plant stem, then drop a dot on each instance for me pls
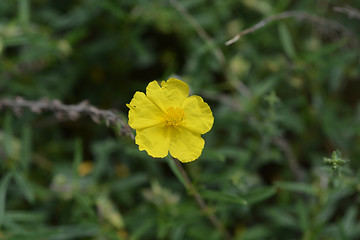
(200, 201)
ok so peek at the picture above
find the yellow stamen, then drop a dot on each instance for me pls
(175, 116)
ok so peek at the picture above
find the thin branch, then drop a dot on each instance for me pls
(348, 10)
(322, 22)
(68, 112)
(200, 201)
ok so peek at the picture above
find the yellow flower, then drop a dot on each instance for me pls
(167, 120)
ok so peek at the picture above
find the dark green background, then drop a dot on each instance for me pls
(302, 103)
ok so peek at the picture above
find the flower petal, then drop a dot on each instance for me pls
(172, 93)
(156, 94)
(176, 91)
(198, 115)
(154, 140)
(143, 112)
(185, 145)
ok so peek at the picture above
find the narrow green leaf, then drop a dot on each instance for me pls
(16, 40)
(286, 41)
(23, 216)
(113, 9)
(24, 186)
(3, 189)
(281, 217)
(296, 187)
(142, 229)
(178, 233)
(349, 222)
(133, 181)
(265, 86)
(25, 146)
(259, 194)
(24, 12)
(216, 195)
(85, 205)
(257, 232)
(82, 231)
(1, 46)
(336, 77)
(324, 51)
(102, 150)
(303, 216)
(175, 170)
(8, 135)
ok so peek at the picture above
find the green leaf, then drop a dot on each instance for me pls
(178, 233)
(25, 146)
(256, 232)
(8, 135)
(24, 12)
(3, 189)
(24, 186)
(349, 221)
(265, 86)
(86, 205)
(133, 181)
(296, 187)
(216, 195)
(303, 216)
(58, 233)
(102, 150)
(175, 170)
(141, 231)
(113, 9)
(286, 41)
(281, 217)
(259, 194)
(23, 216)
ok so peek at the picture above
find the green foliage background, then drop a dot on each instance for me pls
(262, 171)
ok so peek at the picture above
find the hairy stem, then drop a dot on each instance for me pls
(68, 112)
(348, 10)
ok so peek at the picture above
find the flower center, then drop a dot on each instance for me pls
(174, 116)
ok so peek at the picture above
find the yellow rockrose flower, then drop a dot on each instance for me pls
(167, 120)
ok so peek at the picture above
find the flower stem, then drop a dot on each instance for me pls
(200, 201)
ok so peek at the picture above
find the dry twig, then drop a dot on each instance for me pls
(348, 10)
(68, 112)
(323, 23)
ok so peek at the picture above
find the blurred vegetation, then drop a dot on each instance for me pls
(285, 100)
